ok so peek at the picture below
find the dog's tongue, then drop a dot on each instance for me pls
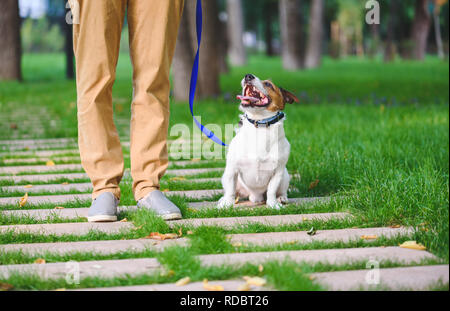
(247, 99)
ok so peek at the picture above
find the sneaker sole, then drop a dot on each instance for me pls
(102, 218)
(173, 216)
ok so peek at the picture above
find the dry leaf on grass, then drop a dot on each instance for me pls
(210, 287)
(244, 287)
(189, 232)
(180, 232)
(166, 190)
(28, 186)
(195, 160)
(237, 244)
(413, 245)
(177, 178)
(5, 286)
(124, 220)
(395, 226)
(183, 281)
(192, 210)
(170, 273)
(260, 268)
(23, 200)
(161, 236)
(50, 163)
(256, 280)
(369, 237)
(313, 184)
(60, 290)
(59, 207)
(65, 183)
(40, 261)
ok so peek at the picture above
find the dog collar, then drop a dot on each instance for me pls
(266, 122)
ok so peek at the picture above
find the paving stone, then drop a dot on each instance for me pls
(261, 239)
(83, 187)
(330, 256)
(46, 141)
(114, 268)
(340, 235)
(229, 285)
(41, 153)
(14, 148)
(230, 222)
(70, 167)
(69, 228)
(65, 198)
(404, 278)
(93, 247)
(50, 177)
(73, 159)
(102, 268)
(298, 201)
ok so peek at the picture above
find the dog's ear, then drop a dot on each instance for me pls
(288, 97)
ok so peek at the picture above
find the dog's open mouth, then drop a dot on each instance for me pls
(253, 98)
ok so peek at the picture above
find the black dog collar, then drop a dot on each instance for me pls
(266, 122)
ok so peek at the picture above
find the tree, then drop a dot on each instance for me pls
(291, 34)
(209, 65)
(235, 27)
(420, 29)
(184, 56)
(314, 48)
(389, 52)
(437, 26)
(10, 47)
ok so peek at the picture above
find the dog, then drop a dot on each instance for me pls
(258, 154)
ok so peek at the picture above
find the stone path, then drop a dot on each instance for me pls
(423, 269)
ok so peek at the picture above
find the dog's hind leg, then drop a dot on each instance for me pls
(282, 192)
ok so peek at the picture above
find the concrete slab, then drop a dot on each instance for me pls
(248, 204)
(404, 278)
(230, 222)
(69, 228)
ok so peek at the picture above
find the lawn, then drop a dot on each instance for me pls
(374, 134)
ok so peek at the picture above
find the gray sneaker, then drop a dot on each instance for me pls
(157, 202)
(104, 208)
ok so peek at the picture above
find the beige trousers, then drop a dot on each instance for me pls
(153, 27)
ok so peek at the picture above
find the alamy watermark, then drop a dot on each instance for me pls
(373, 13)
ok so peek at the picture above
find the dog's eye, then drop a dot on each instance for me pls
(267, 84)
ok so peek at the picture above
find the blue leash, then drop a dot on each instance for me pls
(194, 77)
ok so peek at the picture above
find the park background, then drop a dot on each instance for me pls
(371, 126)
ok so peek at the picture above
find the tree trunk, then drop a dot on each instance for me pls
(268, 12)
(223, 48)
(209, 69)
(235, 27)
(314, 49)
(10, 47)
(437, 30)
(68, 48)
(420, 29)
(291, 34)
(390, 50)
(184, 56)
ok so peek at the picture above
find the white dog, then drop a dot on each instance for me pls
(257, 155)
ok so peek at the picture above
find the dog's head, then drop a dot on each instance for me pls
(260, 95)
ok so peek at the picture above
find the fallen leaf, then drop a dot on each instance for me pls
(177, 178)
(40, 261)
(395, 226)
(260, 268)
(195, 160)
(124, 220)
(60, 290)
(5, 286)
(28, 186)
(180, 232)
(65, 183)
(166, 190)
(13, 126)
(50, 163)
(369, 237)
(413, 245)
(313, 184)
(59, 207)
(236, 244)
(311, 277)
(210, 287)
(161, 236)
(192, 210)
(189, 232)
(170, 273)
(244, 287)
(291, 242)
(183, 281)
(256, 280)
(237, 200)
(23, 200)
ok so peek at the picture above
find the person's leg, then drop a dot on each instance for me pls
(153, 26)
(96, 47)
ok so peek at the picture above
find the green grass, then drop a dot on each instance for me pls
(374, 134)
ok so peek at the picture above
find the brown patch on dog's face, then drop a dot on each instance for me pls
(279, 96)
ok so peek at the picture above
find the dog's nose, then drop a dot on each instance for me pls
(249, 77)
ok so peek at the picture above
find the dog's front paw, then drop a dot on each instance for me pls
(283, 200)
(274, 204)
(225, 202)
